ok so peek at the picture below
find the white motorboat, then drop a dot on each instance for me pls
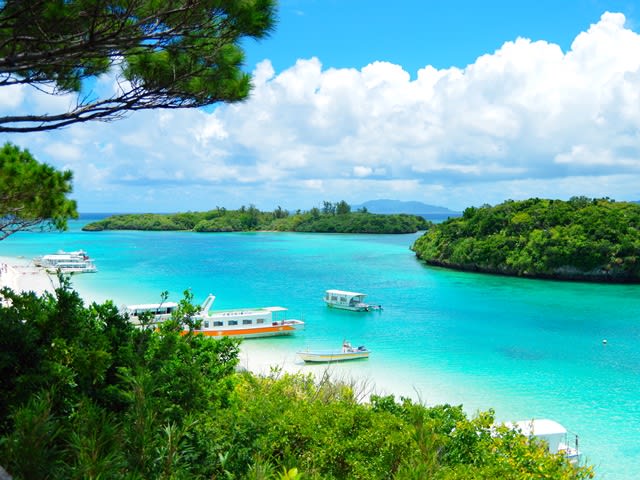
(67, 262)
(323, 356)
(346, 300)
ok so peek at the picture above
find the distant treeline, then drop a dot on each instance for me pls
(579, 239)
(331, 218)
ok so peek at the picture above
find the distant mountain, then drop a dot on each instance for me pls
(398, 206)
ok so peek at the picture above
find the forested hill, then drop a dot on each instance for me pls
(333, 218)
(579, 239)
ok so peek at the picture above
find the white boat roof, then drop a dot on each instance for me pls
(540, 426)
(149, 306)
(347, 293)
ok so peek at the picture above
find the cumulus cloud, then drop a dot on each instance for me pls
(525, 120)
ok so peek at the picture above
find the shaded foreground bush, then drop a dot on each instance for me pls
(83, 394)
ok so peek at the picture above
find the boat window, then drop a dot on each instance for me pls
(260, 320)
(247, 322)
(343, 299)
(206, 324)
(334, 298)
(217, 323)
(233, 322)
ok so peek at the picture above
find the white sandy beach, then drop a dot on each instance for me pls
(21, 275)
(261, 358)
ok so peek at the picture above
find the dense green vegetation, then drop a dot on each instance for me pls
(579, 239)
(333, 218)
(85, 395)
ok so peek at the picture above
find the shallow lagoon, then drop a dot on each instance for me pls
(526, 348)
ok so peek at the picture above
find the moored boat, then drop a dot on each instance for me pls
(242, 323)
(558, 439)
(347, 353)
(346, 300)
(67, 262)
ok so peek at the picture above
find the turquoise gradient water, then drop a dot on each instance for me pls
(523, 347)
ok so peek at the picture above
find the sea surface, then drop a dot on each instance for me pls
(526, 348)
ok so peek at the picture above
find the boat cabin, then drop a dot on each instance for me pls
(346, 300)
(159, 312)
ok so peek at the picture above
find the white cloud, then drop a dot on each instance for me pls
(361, 171)
(64, 152)
(526, 120)
(11, 97)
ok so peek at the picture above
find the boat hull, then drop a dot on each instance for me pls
(330, 357)
(273, 330)
(71, 269)
(361, 308)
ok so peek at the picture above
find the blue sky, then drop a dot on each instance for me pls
(414, 33)
(455, 103)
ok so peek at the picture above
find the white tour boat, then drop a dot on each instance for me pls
(346, 300)
(347, 353)
(67, 262)
(556, 436)
(243, 323)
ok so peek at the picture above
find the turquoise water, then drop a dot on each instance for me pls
(523, 347)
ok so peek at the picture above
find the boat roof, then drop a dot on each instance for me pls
(347, 293)
(541, 426)
(150, 306)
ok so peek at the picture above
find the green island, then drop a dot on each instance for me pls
(580, 239)
(87, 395)
(332, 218)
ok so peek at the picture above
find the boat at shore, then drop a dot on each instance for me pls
(346, 300)
(77, 261)
(558, 439)
(241, 323)
(347, 353)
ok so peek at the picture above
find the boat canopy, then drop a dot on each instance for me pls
(549, 430)
(346, 293)
(542, 426)
(151, 307)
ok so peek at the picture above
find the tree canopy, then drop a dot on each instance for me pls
(578, 239)
(32, 194)
(163, 54)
